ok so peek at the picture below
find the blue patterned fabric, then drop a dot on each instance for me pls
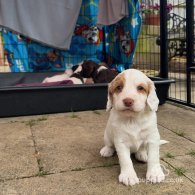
(117, 42)
(122, 38)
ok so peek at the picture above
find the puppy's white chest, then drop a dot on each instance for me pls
(131, 134)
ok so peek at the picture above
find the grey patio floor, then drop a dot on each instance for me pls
(59, 154)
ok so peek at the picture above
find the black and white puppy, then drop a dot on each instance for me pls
(100, 73)
(86, 72)
(71, 74)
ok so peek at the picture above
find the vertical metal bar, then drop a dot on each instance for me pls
(189, 44)
(163, 40)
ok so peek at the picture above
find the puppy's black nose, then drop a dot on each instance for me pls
(128, 102)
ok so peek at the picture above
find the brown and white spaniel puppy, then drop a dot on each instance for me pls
(100, 73)
(59, 77)
(87, 72)
(72, 75)
(132, 126)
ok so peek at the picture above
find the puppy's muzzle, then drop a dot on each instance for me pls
(128, 102)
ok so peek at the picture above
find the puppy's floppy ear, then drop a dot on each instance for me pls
(109, 99)
(77, 68)
(152, 99)
(74, 67)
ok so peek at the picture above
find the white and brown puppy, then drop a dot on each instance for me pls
(59, 77)
(132, 126)
(70, 74)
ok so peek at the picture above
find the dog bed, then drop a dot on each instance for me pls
(31, 100)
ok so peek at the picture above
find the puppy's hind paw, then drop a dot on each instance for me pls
(141, 156)
(106, 151)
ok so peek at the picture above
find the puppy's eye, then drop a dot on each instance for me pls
(119, 88)
(140, 88)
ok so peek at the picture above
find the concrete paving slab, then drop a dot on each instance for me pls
(17, 151)
(177, 146)
(177, 119)
(94, 115)
(187, 163)
(37, 118)
(71, 143)
(96, 181)
(78, 137)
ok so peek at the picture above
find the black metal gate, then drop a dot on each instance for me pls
(182, 46)
(176, 42)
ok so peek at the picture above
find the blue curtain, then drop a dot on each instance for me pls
(115, 43)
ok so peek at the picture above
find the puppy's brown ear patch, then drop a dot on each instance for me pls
(116, 86)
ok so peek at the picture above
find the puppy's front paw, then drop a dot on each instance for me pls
(106, 151)
(155, 175)
(128, 179)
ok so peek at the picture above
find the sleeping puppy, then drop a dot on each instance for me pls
(87, 69)
(104, 75)
(76, 78)
(100, 73)
(59, 77)
(87, 72)
(71, 74)
(132, 126)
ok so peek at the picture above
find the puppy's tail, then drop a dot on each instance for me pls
(163, 142)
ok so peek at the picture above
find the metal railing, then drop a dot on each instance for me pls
(175, 57)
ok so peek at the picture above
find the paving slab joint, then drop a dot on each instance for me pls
(41, 171)
(178, 133)
(183, 174)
